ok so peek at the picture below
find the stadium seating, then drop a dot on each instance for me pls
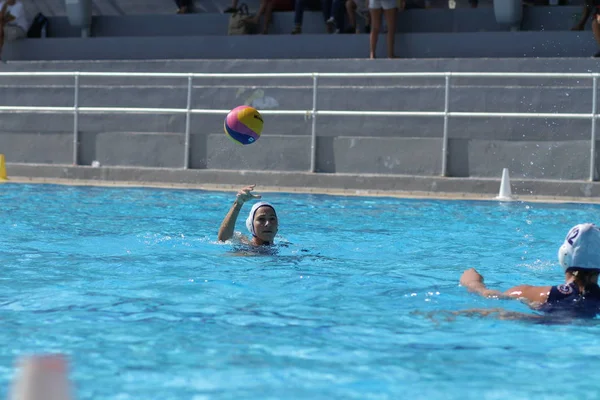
(463, 32)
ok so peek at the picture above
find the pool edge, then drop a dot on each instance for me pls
(374, 185)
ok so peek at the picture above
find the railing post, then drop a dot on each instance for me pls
(313, 138)
(188, 117)
(76, 121)
(445, 133)
(593, 144)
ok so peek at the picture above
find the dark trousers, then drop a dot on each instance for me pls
(339, 14)
(183, 3)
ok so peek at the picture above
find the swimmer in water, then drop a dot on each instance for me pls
(579, 296)
(262, 222)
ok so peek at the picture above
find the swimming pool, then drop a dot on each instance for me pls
(131, 284)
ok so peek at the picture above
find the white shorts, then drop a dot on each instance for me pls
(385, 4)
(13, 32)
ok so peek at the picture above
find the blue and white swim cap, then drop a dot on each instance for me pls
(581, 248)
(253, 210)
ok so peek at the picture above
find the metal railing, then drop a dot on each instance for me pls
(314, 112)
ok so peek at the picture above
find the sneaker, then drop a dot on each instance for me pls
(330, 27)
(297, 30)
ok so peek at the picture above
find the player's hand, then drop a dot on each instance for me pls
(245, 194)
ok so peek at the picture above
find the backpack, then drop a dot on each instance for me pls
(240, 24)
(38, 27)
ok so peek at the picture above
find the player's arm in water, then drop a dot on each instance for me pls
(228, 225)
(473, 281)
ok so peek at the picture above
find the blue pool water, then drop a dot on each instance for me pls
(132, 286)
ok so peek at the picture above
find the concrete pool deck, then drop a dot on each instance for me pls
(403, 186)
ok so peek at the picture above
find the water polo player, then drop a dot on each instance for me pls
(262, 222)
(579, 296)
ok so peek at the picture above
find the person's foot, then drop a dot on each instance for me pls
(372, 56)
(330, 25)
(597, 54)
(297, 30)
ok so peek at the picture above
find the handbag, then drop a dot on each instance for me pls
(241, 22)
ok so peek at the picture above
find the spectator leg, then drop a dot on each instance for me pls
(328, 15)
(390, 19)
(350, 12)
(596, 28)
(261, 10)
(1, 37)
(326, 6)
(268, 11)
(339, 15)
(183, 6)
(298, 15)
(375, 28)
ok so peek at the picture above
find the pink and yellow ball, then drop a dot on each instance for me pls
(244, 125)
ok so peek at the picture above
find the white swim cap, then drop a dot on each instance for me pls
(581, 248)
(250, 219)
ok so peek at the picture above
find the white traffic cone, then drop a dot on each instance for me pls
(505, 190)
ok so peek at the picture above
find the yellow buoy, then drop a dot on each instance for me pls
(3, 176)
